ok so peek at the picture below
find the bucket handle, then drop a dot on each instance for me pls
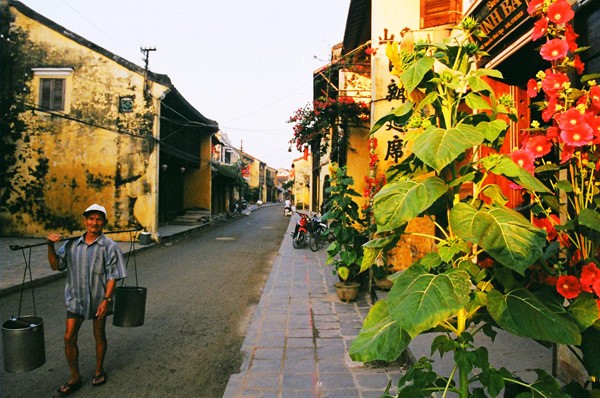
(129, 255)
(27, 268)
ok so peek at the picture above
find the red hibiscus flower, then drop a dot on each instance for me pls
(550, 109)
(567, 153)
(578, 64)
(589, 275)
(568, 286)
(523, 158)
(560, 12)
(581, 135)
(554, 49)
(596, 287)
(550, 280)
(539, 28)
(547, 224)
(571, 37)
(570, 119)
(553, 82)
(552, 133)
(595, 96)
(539, 146)
(532, 88)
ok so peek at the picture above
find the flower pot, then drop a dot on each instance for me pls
(384, 283)
(347, 291)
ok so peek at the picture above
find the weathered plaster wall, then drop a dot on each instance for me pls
(94, 155)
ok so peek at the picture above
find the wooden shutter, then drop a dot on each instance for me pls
(52, 94)
(440, 12)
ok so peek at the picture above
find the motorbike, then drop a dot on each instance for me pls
(287, 211)
(319, 234)
(300, 235)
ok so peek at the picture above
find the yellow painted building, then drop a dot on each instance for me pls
(85, 126)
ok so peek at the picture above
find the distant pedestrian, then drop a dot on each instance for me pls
(93, 263)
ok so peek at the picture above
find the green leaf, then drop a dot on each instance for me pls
(589, 218)
(492, 130)
(521, 313)
(495, 193)
(476, 102)
(373, 248)
(591, 351)
(564, 186)
(419, 301)
(380, 337)
(584, 310)
(477, 84)
(504, 165)
(399, 202)
(438, 147)
(414, 74)
(503, 233)
(545, 386)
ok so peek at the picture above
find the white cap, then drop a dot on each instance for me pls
(95, 207)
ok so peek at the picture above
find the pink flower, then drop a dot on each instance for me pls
(550, 109)
(532, 88)
(539, 28)
(553, 82)
(567, 153)
(523, 158)
(554, 49)
(578, 136)
(594, 123)
(568, 286)
(538, 146)
(595, 96)
(570, 119)
(560, 12)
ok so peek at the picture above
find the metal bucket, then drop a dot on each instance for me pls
(23, 343)
(130, 306)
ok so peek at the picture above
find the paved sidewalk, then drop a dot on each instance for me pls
(298, 341)
(297, 344)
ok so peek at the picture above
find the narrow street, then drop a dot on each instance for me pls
(202, 290)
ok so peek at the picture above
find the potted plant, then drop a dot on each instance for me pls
(349, 231)
(534, 276)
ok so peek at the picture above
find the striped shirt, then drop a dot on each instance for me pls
(89, 268)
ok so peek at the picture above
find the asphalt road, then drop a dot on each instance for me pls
(202, 290)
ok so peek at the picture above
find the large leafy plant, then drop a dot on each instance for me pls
(480, 277)
(347, 226)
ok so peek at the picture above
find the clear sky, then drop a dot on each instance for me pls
(246, 64)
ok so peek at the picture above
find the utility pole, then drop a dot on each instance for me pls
(146, 51)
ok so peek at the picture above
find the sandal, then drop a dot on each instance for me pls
(69, 388)
(98, 380)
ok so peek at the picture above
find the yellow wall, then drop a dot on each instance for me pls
(197, 183)
(63, 166)
(302, 176)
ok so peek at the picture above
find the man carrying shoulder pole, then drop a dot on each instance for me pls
(94, 263)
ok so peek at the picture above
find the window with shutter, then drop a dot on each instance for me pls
(52, 94)
(440, 12)
(54, 86)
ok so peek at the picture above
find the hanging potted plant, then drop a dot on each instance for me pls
(349, 231)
